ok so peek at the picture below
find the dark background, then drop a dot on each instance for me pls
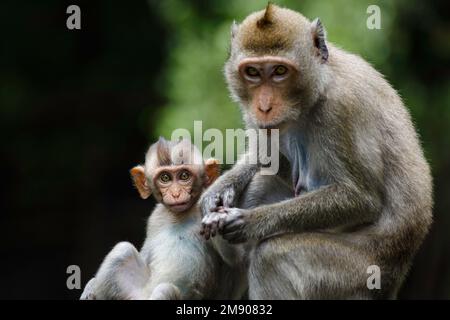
(79, 108)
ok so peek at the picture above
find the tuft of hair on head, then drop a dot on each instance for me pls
(184, 152)
(267, 19)
(163, 152)
(270, 31)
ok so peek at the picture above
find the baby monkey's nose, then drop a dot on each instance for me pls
(176, 195)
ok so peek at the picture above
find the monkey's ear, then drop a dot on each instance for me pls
(319, 38)
(212, 170)
(140, 181)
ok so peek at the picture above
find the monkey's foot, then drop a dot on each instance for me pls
(88, 292)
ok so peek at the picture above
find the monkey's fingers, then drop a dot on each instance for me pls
(218, 221)
(221, 225)
(205, 231)
(214, 227)
(209, 224)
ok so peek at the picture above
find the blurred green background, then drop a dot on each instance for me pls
(79, 108)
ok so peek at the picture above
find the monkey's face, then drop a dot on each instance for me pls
(178, 186)
(268, 83)
(175, 173)
(276, 66)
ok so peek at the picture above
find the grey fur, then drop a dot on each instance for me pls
(359, 192)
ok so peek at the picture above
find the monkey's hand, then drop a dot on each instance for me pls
(210, 224)
(231, 223)
(235, 227)
(217, 196)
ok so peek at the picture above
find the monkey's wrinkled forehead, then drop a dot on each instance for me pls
(271, 30)
(167, 153)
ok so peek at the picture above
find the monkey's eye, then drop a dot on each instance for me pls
(252, 72)
(280, 70)
(184, 175)
(165, 177)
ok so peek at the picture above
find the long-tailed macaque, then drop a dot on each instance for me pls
(354, 189)
(175, 262)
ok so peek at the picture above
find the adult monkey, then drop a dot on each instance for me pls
(357, 192)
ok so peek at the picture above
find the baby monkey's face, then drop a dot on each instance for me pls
(179, 186)
(175, 173)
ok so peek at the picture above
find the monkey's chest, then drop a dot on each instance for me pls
(301, 146)
(304, 172)
(177, 255)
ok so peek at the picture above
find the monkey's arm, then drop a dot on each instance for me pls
(327, 207)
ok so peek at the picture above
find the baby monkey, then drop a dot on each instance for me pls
(175, 261)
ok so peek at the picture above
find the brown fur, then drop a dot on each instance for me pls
(270, 30)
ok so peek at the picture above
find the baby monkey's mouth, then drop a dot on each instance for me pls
(180, 206)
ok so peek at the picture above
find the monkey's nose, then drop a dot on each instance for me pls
(265, 108)
(176, 195)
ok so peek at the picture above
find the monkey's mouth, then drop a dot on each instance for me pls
(180, 206)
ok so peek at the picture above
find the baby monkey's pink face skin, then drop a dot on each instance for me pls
(178, 186)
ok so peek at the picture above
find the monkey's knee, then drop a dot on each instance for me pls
(122, 254)
(307, 266)
(166, 291)
(123, 250)
(122, 274)
(272, 273)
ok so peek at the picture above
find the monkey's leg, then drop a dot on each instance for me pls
(308, 266)
(122, 275)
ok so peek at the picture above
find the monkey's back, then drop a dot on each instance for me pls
(385, 138)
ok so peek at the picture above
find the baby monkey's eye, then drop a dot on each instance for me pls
(185, 175)
(252, 72)
(165, 177)
(280, 70)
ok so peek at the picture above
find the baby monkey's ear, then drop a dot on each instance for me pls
(212, 170)
(140, 181)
